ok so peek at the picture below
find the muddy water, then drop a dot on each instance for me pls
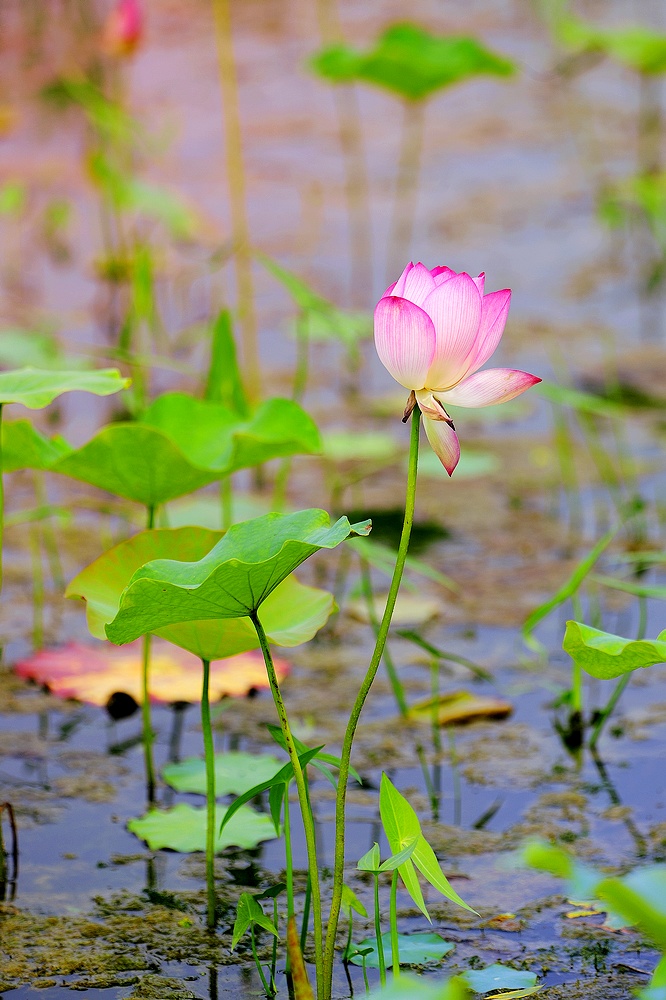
(509, 176)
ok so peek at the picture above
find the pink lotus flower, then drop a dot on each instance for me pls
(433, 331)
(123, 30)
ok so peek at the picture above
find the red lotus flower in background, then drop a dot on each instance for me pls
(433, 331)
(124, 28)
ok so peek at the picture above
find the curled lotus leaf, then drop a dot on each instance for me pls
(35, 389)
(291, 614)
(605, 655)
(233, 580)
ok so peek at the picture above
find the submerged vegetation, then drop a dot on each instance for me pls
(448, 783)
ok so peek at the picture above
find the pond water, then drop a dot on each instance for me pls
(510, 175)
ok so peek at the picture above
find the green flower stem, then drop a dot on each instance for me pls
(209, 753)
(306, 814)
(145, 697)
(396, 685)
(345, 757)
(393, 919)
(378, 933)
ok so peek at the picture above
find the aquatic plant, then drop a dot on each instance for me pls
(433, 330)
(414, 64)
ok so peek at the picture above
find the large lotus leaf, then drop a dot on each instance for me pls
(233, 580)
(498, 977)
(291, 615)
(414, 949)
(604, 655)
(102, 582)
(135, 461)
(183, 829)
(35, 389)
(235, 773)
(411, 62)
(216, 439)
(636, 46)
(23, 447)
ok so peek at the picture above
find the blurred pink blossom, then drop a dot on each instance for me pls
(433, 331)
(124, 27)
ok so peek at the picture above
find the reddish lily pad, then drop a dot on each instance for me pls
(96, 672)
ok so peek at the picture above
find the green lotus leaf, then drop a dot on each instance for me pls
(414, 949)
(134, 461)
(23, 447)
(604, 655)
(498, 977)
(236, 772)
(411, 62)
(183, 829)
(291, 615)
(35, 389)
(232, 580)
(218, 440)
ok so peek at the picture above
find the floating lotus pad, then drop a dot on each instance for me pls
(233, 580)
(183, 829)
(93, 674)
(236, 772)
(458, 707)
(415, 949)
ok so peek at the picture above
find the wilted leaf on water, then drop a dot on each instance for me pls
(183, 829)
(232, 580)
(415, 949)
(93, 673)
(410, 609)
(35, 389)
(499, 977)
(235, 772)
(457, 707)
(604, 655)
(292, 614)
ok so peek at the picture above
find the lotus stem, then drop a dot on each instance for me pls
(378, 933)
(345, 756)
(2, 505)
(236, 178)
(209, 753)
(357, 187)
(393, 918)
(145, 697)
(406, 186)
(306, 814)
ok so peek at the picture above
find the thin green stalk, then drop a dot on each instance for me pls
(378, 933)
(267, 990)
(455, 772)
(288, 854)
(37, 588)
(406, 186)
(345, 757)
(434, 694)
(2, 503)
(302, 358)
(393, 919)
(396, 685)
(226, 502)
(274, 950)
(236, 178)
(307, 904)
(618, 690)
(306, 814)
(576, 672)
(209, 753)
(145, 698)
